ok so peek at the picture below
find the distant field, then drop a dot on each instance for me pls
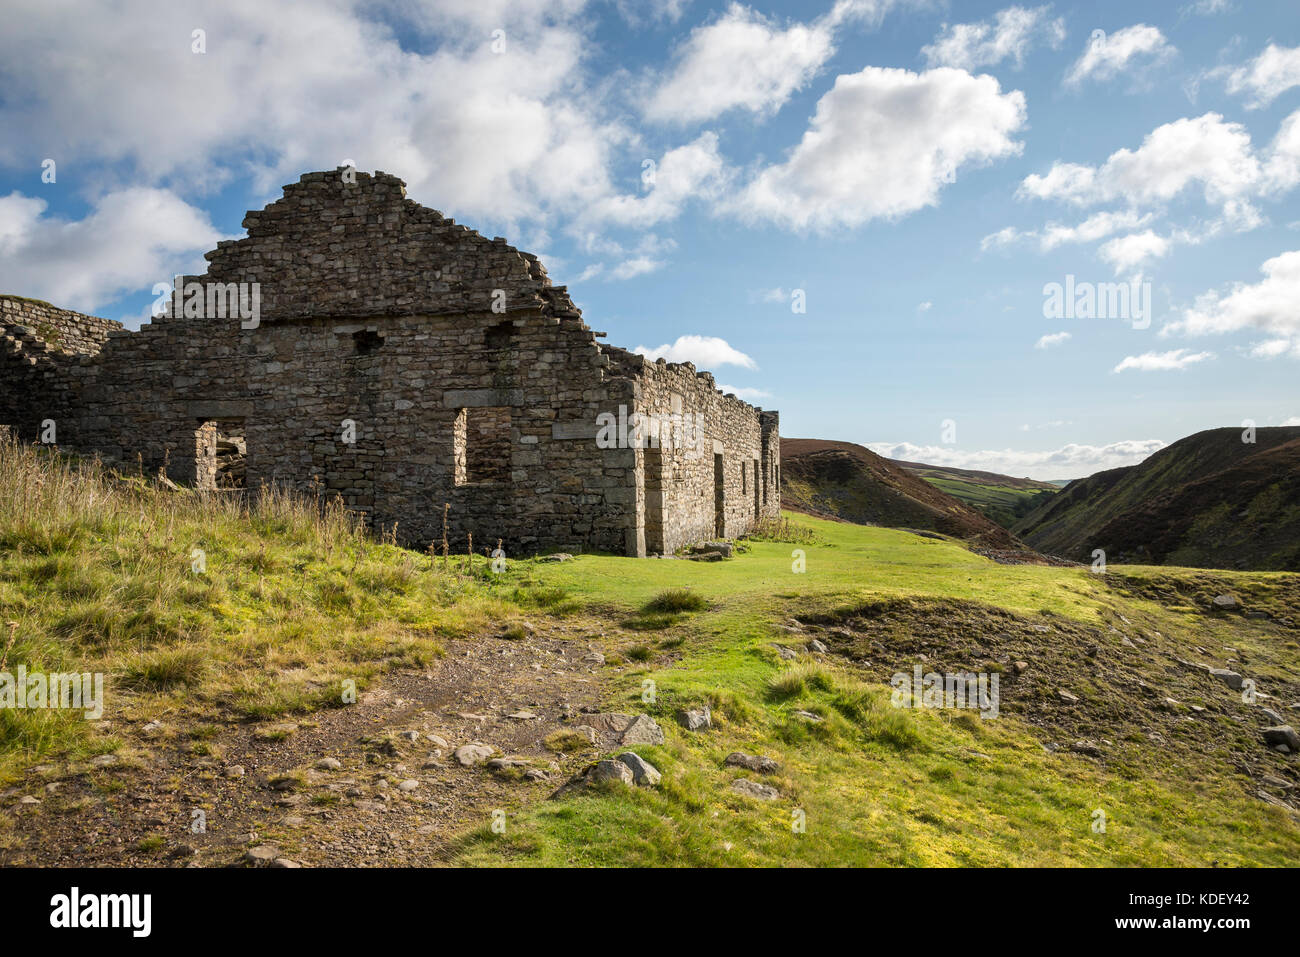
(1000, 498)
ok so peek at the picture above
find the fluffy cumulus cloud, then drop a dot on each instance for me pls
(1128, 253)
(696, 170)
(1266, 77)
(748, 393)
(1069, 461)
(1052, 339)
(1268, 307)
(1011, 34)
(131, 239)
(1172, 361)
(742, 61)
(881, 144)
(1124, 51)
(706, 352)
(505, 125)
(1206, 156)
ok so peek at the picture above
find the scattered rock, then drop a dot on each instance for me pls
(410, 784)
(235, 771)
(808, 716)
(1226, 602)
(611, 771)
(437, 741)
(329, 764)
(817, 647)
(523, 716)
(643, 772)
(284, 862)
(411, 736)
(1086, 747)
(788, 654)
(1065, 697)
(153, 729)
(261, 855)
(1021, 667)
(754, 789)
(104, 760)
(28, 799)
(1229, 678)
(610, 721)
(758, 763)
(557, 557)
(1282, 734)
(695, 719)
(643, 730)
(474, 753)
(594, 658)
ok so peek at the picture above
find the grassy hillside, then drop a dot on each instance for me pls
(241, 666)
(1002, 498)
(848, 481)
(1208, 500)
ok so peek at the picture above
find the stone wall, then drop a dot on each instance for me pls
(40, 345)
(403, 362)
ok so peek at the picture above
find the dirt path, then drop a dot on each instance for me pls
(397, 796)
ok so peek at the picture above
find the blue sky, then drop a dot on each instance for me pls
(916, 172)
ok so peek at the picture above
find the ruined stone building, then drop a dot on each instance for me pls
(402, 361)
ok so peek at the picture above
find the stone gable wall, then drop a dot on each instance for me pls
(464, 377)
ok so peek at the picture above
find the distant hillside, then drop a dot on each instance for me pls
(848, 481)
(1002, 498)
(1208, 500)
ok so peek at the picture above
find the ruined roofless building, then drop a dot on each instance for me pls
(401, 361)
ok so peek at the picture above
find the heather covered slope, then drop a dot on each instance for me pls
(1209, 500)
(847, 481)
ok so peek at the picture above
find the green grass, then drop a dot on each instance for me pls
(95, 570)
(874, 784)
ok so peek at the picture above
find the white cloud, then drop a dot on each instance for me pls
(636, 266)
(1052, 339)
(1097, 226)
(1069, 461)
(1163, 361)
(1268, 306)
(511, 136)
(706, 352)
(881, 144)
(1294, 420)
(747, 393)
(1206, 8)
(693, 170)
(1127, 253)
(130, 239)
(969, 46)
(1106, 56)
(742, 60)
(1207, 151)
(924, 306)
(1265, 78)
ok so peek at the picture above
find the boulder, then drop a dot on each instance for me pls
(643, 730)
(696, 719)
(643, 772)
(474, 753)
(752, 762)
(754, 789)
(607, 770)
(1282, 734)
(1229, 678)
